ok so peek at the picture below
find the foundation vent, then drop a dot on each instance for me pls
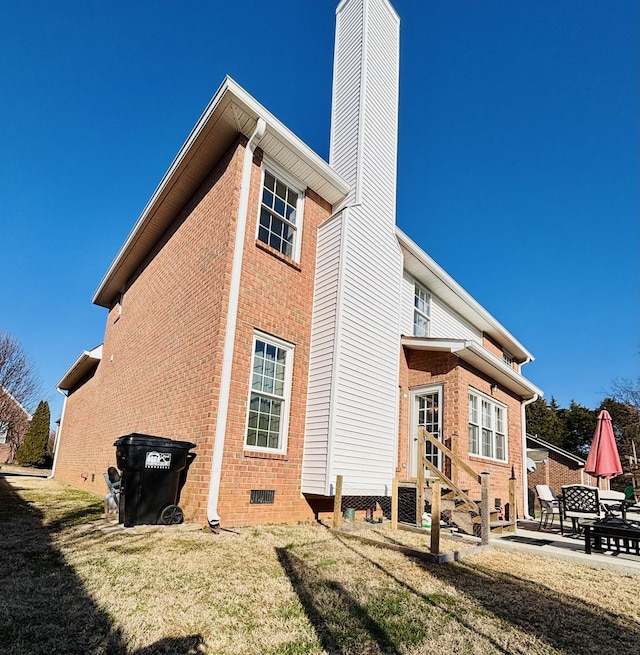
(262, 496)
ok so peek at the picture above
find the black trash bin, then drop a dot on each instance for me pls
(154, 470)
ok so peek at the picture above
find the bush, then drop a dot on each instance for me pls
(33, 451)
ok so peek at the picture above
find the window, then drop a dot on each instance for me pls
(507, 357)
(487, 428)
(269, 396)
(4, 431)
(421, 311)
(279, 216)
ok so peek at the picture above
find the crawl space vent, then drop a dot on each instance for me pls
(262, 496)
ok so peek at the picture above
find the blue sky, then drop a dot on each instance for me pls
(517, 161)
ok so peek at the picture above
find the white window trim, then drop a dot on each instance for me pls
(286, 398)
(482, 396)
(426, 317)
(273, 168)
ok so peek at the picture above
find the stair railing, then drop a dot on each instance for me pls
(456, 463)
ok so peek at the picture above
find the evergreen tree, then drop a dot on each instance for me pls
(543, 421)
(33, 451)
(579, 424)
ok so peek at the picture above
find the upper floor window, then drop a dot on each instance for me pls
(507, 357)
(279, 222)
(270, 392)
(421, 311)
(487, 427)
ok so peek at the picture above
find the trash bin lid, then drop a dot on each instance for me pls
(137, 439)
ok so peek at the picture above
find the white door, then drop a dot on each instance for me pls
(427, 413)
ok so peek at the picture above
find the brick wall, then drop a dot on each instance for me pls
(161, 366)
(555, 471)
(160, 371)
(421, 368)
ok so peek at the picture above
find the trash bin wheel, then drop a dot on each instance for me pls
(171, 515)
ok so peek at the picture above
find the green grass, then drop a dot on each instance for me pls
(281, 590)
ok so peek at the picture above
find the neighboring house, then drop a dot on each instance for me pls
(551, 465)
(266, 307)
(14, 423)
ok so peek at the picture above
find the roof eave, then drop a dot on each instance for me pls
(203, 147)
(466, 305)
(87, 360)
(480, 358)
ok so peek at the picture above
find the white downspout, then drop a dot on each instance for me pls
(230, 327)
(525, 479)
(59, 435)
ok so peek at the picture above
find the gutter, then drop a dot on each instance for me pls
(230, 328)
(525, 477)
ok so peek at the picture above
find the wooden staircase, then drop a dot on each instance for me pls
(462, 515)
(445, 497)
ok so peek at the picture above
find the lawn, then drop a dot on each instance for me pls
(281, 590)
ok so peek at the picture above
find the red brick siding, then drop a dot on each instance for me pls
(161, 366)
(276, 298)
(160, 371)
(419, 368)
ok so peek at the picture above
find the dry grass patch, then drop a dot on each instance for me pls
(282, 590)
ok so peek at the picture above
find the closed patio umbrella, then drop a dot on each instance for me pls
(603, 460)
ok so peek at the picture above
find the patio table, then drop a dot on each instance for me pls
(616, 534)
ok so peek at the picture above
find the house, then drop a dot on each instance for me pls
(14, 423)
(553, 466)
(267, 308)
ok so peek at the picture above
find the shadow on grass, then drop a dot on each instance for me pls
(567, 624)
(338, 619)
(44, 607)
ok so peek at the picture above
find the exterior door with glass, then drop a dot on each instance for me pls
(427, 413)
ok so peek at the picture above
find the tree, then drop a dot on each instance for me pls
(579, 423)
(543, 421)
(624, 407)
(19, 389)
(33, 451)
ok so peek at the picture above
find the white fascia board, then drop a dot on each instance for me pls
(479, 357)
(288, 139)
(150, 225)
(474, 312)
(85, 362)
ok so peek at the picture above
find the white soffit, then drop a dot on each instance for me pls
(480, 358)
(418, 264)
(88, 360)
(231, 111)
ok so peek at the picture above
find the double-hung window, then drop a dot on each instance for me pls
(270, 392)
(421, 311)
(487, 427)
(280, 210)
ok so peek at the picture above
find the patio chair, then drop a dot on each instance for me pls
(549, 506)
(112, 499)
(582, 502)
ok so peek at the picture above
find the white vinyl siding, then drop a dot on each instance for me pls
(444, 323)
(323, 335)
(361, 443)
(487, 427)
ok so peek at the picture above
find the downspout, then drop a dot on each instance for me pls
(59, 435)
(525, 480)
(230, 328)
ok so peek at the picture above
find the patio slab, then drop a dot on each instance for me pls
(550, 543)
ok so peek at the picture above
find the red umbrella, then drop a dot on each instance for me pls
(603, 460)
